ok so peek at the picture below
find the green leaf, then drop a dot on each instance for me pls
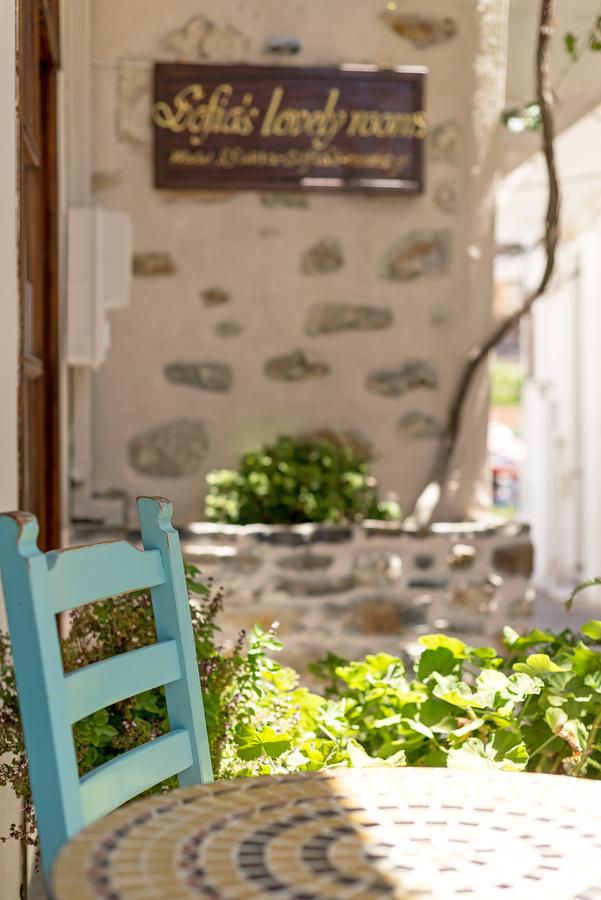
(473, 754)
(455, 692)
(485, 655)
(585, 661)
(473, 725)
(252, 743)
(555, 719)
(570, 43)
(592, 629)
(510, 636)
(521, 685)
(419, 727)
(516, 642)
(439, 660)
(360, 759)
(510, 748)
(434, 641)
(539, 664)
(371, 670)
(572, 731)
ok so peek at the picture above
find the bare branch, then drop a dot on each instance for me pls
(441, 469)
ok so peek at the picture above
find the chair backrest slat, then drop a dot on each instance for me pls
(122, 778)
(83, 575)
(172, 620)
(104, 683)
(36, 587)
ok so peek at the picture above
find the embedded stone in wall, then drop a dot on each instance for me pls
(419, 425)
(294, 366)
(377, 568)
(475, 597)
(286, 199)
(420, 254)
(462, 556)
(269, 231)
(379, 614)
(245, 563)
(330, 318)
(422, 31)
(423, 561)
(215, 377)
(237, 620)
(439, 315)
(305, 562)
(203, 38)
(514, 559)
(102, 180)
(323, 257)
(444, 142)
(316, 587)
(148, 265)
(172, 450)
(214, 296)
(134, 100)
(228, 328)
(445, 197)
(408, 377)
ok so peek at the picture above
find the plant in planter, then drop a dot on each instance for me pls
(294, 481)
(536, 706)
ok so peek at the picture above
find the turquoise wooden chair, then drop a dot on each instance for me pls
(38, 586)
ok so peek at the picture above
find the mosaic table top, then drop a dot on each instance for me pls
(347, 833)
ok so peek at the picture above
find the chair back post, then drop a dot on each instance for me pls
(39, 674)
(172, 618)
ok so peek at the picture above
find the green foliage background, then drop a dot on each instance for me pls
(536, 706)
(295, 481)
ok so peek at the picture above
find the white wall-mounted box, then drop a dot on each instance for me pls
(99, 267)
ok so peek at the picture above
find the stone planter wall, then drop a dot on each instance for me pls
(367, 588)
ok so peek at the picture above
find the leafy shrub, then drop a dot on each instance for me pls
(536, 706)
(293, 481)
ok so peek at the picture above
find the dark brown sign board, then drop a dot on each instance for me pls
(275, 127)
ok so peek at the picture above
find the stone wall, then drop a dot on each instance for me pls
(255, 314)
(366, 589)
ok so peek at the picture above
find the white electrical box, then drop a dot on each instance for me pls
(99, 273)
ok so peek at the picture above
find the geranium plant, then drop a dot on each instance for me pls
(296, 480)
(535, 706)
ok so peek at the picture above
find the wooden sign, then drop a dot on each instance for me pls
(272, 127)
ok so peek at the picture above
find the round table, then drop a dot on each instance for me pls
(347, 833)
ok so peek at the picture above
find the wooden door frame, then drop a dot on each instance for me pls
(44, 154)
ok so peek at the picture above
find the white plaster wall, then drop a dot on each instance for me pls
(9, 343)
(234, 242)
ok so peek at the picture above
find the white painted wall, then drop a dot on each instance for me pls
(562, 479)
(9, 379)
(236, 242)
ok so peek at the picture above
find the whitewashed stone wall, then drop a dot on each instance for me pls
(369, 588)
(255, 314)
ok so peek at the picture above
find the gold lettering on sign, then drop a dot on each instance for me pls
(204, 119)
(321, 125)
(302, 161)
(215, 116)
